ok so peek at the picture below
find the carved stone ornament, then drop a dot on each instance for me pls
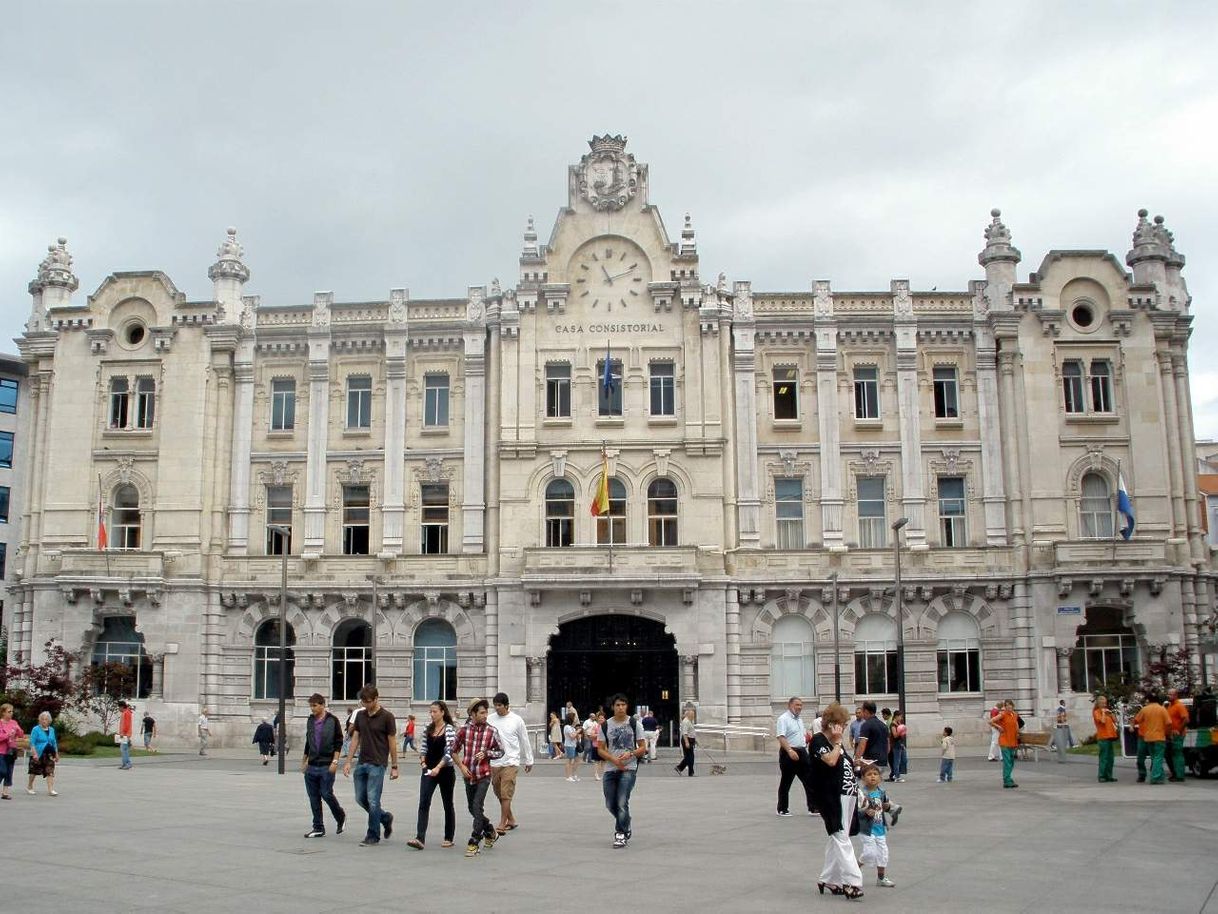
(475, 310)
(321, 310)
(397, 306)
(125, 466)
(743, 301)
(822, 298)
(608, 176)
(433, 469)
(902, 301)
(788, 461)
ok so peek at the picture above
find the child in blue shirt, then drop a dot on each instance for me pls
(873, 831)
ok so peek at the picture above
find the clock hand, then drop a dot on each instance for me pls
(608, 278)
(623, 273)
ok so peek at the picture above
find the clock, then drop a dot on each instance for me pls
(609, 273)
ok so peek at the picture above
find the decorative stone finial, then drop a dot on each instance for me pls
(231, 262)
(1150, 242)
(1167, 240)
(56, 268)
(689, 243)
(998, 245)
(530, 240)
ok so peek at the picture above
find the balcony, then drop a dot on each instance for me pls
(354, 569)
(94, 563)
(676, 566)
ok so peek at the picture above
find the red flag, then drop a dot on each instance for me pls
(103, 541)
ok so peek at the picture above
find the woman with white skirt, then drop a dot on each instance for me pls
(836, 788)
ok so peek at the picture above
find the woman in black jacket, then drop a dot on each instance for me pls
(436, 759)
(264, 736)
(836, 797)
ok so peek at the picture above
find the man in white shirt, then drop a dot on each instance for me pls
(514, 739)
(204, 732)
(793, 757)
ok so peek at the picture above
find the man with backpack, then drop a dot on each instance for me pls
(620, 743)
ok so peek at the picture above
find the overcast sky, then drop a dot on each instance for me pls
(364, 146)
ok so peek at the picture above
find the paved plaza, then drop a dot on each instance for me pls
(180, 833)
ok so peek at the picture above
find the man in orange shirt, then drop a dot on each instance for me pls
(1105, 737)
(124, 734)
(1007, 725)
(1152, 724)
(1178, 713)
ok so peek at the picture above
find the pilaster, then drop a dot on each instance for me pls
(393, 503)
(827, 417)
(748, 510)
(909, 415)
(473, 505)
(319, 427)
(993, 496)
(239, 468)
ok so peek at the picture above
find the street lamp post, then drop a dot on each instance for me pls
(896, 602)
(285, 538)
(376, 580)
(837, 650)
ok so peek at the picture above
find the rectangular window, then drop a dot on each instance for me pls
(947, 399)
(789, 512)
(145, 402)
(866, 392)
(435, 518)
(1101, 386)
(663, 389)
(359, 401)
(951, 510)
(435, 400)
(558, 391)
(278, 514)
(356, 515)
(875, 671)
(959, 667)
(120, 401)
(872, 516)
(283, 404)
(4, 497)
(786, 393)
(1072, 387)
(8, 395)
(609, 402)
(1097, 659)
(6, 449)
(3, 560)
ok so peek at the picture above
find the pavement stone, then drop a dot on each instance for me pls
(224, 833)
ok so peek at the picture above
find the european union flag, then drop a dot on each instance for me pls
(1125, 508)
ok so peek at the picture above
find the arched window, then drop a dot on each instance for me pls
(662, 512)
(560, 513)
(120, 644)
(125, 518)
(435, 661)
(792, 663)
(959, 653)
(266, 661)
(611, 527)
(351, 659)
(875, 655)
(1106, 649)
(1095, 508)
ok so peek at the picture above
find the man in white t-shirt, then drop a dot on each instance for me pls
(204, 732)
(514, 740)
(793, 761)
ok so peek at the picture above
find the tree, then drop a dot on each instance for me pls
(33, 688)
(1167, 667)
(101, 688)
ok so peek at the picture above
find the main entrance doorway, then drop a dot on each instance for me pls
(592, 658)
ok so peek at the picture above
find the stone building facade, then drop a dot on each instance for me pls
(13, 399)
(428, 467)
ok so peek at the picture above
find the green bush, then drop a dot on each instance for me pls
(70, 744)
(97, 738)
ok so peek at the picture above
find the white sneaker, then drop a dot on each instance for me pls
(30, 792)
(619, 840)
(576, 778)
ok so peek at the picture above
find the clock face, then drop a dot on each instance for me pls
(609, 274)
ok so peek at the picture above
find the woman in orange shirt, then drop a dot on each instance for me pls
(1007, 725)
(1106, 737)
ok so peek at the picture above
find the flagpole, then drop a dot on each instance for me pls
(608, 513)
(106, 549)
(1116, 500)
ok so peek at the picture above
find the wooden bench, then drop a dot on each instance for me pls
(1034, 742)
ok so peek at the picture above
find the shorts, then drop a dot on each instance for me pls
(570, 751)
(503, 781)
(875, 850)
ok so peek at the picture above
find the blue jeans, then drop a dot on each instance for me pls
(617, 786)
(319, 785)
(899, 761)
(124, 749)
(369, 781)
(946, 768)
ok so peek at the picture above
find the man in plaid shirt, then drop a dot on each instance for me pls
(476, 744)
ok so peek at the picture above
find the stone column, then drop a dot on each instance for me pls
(535, 690)
(733, 654)
(1171, 413)
(689, 678)
(831, 500)
(239, 468)
(1006, 366)
(1192, 509)
(993, 496)
(1063, 670)
(1022, 627)
(490, 607)
(473, 496)
(748, 511)
(156, 690)
(393, 504)
(909, 413)
(319, 427)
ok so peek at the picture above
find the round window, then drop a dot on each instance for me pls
(1083, 316)
(135, 334)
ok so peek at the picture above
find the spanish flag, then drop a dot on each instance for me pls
(103, 541)
(600, 499)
